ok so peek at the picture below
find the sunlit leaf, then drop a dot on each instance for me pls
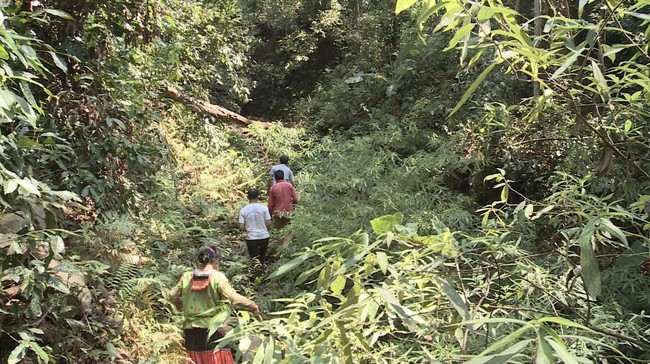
(642, 16)
(542, 212)
(544, 352)
(608, 226)
(563, 353)
(337, 285)
(563, 322)
(472, 88)
(28, 187)
(568, 63)
(598, 76)
(460, 34)
(291, 265)
(10, 186)
(502, 357)
(386, 223)
(60, 13)
(382, 260)
(17, 354)
(403, 5)
(59, 62)
(39, 351)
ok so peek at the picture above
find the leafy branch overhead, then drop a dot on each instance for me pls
(585, 61)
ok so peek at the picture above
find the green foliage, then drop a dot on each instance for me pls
(552, 268)
(411, 298)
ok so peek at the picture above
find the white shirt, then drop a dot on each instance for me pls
(253, 216)
(288, 174)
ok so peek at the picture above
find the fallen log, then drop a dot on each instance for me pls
(217, 111)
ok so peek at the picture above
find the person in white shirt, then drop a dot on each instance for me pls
(255, 219)
(288, 173)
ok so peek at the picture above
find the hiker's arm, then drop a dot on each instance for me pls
(271, 202)
(238, 299)
(175, 296)
(267, 218)
(294, 196)
(242, 222)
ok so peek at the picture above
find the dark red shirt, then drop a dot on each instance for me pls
(282, 197)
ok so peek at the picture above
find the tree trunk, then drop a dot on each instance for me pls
(217, 111)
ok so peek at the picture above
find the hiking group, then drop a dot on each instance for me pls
(255, 218)
(204, 292)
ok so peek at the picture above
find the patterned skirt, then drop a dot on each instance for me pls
(201, 350)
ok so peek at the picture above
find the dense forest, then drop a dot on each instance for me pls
(473, 176)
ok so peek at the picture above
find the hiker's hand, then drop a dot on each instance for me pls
(255, 309)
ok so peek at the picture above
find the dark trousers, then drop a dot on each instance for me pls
(257, 248)
(196, 339)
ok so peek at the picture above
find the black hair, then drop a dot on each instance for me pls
(253, 194)
(284, 159)
(209, 254)
(278, 175)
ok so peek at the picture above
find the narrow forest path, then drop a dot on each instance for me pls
(201, 208)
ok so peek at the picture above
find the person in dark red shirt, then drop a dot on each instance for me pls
(282, 199)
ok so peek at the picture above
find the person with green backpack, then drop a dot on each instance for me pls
(202, 294)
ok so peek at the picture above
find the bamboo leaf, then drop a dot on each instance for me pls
(501, 357)
(324, 277)
(543, 211)
(460, 34)
(17, 354)
(291, 265)
(472, 88)
(601, 83)
(639, 15)
(454, 298)
(39, 351)
(382, 260)
(259, 355)
(563, 353)
(504, 193)
(528, 211)
(10, 186)
(217, 321)
(563, 322)
(27, 187)
(607, 225)
(544, 352)
(59, 62)
(581, 7)
(430, 10)
(60, 13)
(588, 261)
(570, 61)
(338, 284)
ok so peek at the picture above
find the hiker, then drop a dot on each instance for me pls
(200, 293)
(255, 219)
(283, 166)
(282, 198)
